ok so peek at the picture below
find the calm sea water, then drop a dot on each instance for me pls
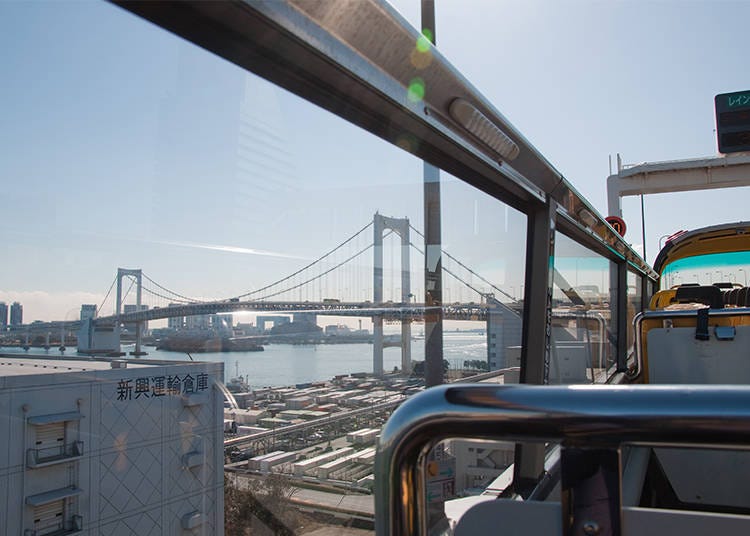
(287, 364)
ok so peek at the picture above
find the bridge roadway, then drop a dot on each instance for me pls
(388, 311)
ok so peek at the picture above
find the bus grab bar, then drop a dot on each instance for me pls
(577, 415)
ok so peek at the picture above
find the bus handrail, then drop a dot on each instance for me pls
(590, 415)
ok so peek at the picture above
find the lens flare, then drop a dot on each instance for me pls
(420, 60)
(423, 43)
(416, 90)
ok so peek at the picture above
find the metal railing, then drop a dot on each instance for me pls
(51, 455)
(594, 416)
(72, 526)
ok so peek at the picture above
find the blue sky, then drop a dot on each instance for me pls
(585, 80)
(124, 146)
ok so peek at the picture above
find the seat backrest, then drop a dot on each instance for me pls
(705, 294)
(662, 299)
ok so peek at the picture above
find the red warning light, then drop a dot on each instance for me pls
(617, 223)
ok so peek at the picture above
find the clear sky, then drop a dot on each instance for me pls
(587, 79)
(124, 146)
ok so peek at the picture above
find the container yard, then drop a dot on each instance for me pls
(322, 431)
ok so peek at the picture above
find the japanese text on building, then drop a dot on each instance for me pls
(158, 386)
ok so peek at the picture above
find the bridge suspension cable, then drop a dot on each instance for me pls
(321, 274)
(132, 282)
(174, 297)
(319, 259)
(454, 259)
(446, 270)
(114, 280)
(162, 296)
(180, 297)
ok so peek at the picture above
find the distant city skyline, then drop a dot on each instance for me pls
(16, 314)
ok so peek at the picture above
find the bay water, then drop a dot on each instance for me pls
(290, 364)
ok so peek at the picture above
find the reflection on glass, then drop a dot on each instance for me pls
(584, 334)
(257, 231)
(635, 305)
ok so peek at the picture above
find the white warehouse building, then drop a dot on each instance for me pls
(90, 446)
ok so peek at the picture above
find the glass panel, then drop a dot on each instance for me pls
(253, 229)
(211, 186)
(484, 260)
(635, 305)
(584, 316)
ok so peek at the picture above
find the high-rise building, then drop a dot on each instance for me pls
(133, 308)
(3, 316)
(88, 310)
(222, 323)
(198, 322)
(175, 322)
(16, 314)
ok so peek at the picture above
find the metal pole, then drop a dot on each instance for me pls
(643, 228)
(433, 287)
(138, 325)
(377, 296)
(405, 298)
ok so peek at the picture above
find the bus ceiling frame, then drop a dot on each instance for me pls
(726, 171)
(599, 417)
(332, 54)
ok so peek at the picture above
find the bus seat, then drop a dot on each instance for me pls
(732, 296)
(662, 299)
(705, 294)
(743, 297)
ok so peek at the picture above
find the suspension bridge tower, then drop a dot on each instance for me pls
(401, 227)
(137, 275)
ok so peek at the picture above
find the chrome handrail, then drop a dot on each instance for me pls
(590, 415)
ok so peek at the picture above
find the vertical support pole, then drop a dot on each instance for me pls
(138, 325)
(118, 305)
(433, 276)
(377, 296)
(622, 316)
(535, 346)
(405, 298)
(433, 282)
